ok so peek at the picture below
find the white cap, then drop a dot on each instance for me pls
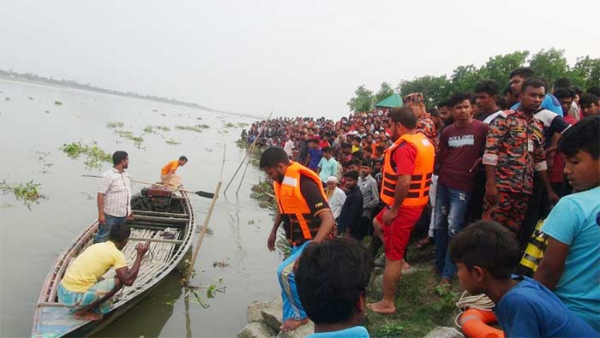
(332, 179)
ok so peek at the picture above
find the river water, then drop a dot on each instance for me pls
(33, 128)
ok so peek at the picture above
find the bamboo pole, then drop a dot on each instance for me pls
(248, 152)
(205, 225)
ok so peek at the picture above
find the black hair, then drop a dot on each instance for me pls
(351, 174)
(119, 232)
(459, 98)
(501, 103)
(490, 87)
(331, 277)
(442, 103)
(326, 150)
(183, 158)
(563, 83)
(578, 90)
(366, 163)
(507, 90)
(594, 90)
(118, 156)
(272, 157)
(524, 72)
(488, 245)
(404, 116)
(357, 138)
(583, 136)
(346, 145)
(564, 93)
(433, 112)
(534, 82)
(380, 148)
(355, 161)
(588, 100)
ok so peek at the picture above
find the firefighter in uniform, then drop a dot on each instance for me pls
(304, 212)
(407, 171)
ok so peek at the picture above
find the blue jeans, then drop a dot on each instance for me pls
(104, 230)
(450, 209)
(292, 308)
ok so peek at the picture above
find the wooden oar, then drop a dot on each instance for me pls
(199, 193)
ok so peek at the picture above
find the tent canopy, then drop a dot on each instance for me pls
(391, 101)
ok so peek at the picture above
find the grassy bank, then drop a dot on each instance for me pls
(418, 308)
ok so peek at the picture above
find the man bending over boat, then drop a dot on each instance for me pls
(82, 286)
(167, 173)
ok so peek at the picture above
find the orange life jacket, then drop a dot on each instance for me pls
(418, 192)
(302, 225)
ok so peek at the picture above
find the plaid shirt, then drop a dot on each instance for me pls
(116, 188)
(515, 146)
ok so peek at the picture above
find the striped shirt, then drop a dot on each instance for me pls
(116, 188)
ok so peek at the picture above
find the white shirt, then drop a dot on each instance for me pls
(336, 201)
(288, 147)
(116, 188)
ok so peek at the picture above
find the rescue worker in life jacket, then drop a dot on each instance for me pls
(407, 171)
(305, 214)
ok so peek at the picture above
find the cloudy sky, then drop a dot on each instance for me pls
(302, 57)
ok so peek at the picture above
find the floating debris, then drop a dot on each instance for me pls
(47, 111)
(138, 140)
(58, 103)
(113, 125)
(7, 98)
(198, 118)
(42, 157)
(229, 125)
(221, 264)
(163, 128)
(27, 192)
(172, 142)
(197, 128)
(94, 155)
(31, 98)
(148, 130)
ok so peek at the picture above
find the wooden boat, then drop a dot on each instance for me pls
(157, 212)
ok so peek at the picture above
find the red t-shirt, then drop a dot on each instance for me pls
(404, 158)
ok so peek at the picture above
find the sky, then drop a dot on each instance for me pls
(292, 58)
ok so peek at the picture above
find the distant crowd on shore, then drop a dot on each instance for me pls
(512, 156)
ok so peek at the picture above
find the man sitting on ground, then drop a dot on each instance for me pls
(82, 286)
(332, 300)
(167, 173)
(485, 254)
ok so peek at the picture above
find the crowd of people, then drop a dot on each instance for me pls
(510, 156)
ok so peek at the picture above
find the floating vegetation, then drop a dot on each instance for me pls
(27, 192)
(172, 142)
(113, 125)
(5, 205)
(229, 125)
(148, 130)
(163, 128)
(197, 128)
(138, 140)
(242, 125)
(221, 264)
(94, 155)
(263, 192)
(58, 103)
(43, 158)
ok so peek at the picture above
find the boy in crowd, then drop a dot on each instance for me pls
(370, 194)
(485, 254)
(461, 144)
(571, 261)
(328, 166)
(332, 300)
(314, 154)
(349, 219)
(589, 104)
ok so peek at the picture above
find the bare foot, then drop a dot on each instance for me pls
(382, 307)
(405, 265)
(292, 324)
(87, 316)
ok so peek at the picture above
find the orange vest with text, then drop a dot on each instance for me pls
(418, 192)
(301, 224)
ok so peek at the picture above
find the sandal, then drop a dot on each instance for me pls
(424, 242)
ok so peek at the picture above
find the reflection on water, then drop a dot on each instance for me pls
(30, 240)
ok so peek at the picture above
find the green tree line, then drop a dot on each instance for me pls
(548, 64)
